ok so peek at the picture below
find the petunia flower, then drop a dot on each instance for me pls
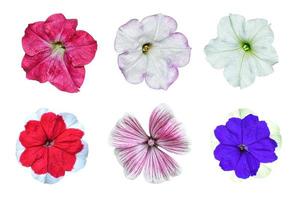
(245, 144)
(137, 151)
(56, 52)
(151, 49)
(51, 145)
(243, 48)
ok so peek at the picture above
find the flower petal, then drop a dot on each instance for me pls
(227, 155)
(165, 129)
(81, 157)
(33, 135)
(259, 32)
(174, 48)
(35, 39)
(234, 125)
(133, 66)
(58, 162)
(265, 58)
(221, 54)
(160, 73)
(127, 36)
(159, 166)
(128, 133)
(227, 137)
(37, 66)
(53, 125)
(132, 159)
(241, 73)
(231, 28)
(264, 150)
(81, 48)
(158, 27)
(256, 131)
(65, 76)
(249, 125)
(34, 155)
(69, 141)
(246, 166)
(45, 178)
(58, 28)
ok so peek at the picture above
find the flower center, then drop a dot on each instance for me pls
(146, 47)
(48, 143)
(151, 142)
(58, 47)
(243, 147)
(246, 46)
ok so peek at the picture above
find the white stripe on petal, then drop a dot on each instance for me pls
(159, 166)
(19, 149)
(45, 178)
(81, 157)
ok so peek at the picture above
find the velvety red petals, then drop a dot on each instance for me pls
(70, 141)
(33, 135)
(53, 125)
(81, 48)
(31, 155)
(49, 146)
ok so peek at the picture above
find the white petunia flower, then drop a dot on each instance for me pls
(151, 49)
(243, 48)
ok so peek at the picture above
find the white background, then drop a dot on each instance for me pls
(200, 98)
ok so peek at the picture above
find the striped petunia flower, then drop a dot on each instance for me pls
(51, 145)
(137, 151)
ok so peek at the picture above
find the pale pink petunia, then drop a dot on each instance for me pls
(151, 50)
(56, 52)
(137, 151)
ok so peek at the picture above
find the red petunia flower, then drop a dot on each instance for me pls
(51, 145)
(56, 52)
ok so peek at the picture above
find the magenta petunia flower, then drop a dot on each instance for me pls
(52, 145)
(56, 52)
(138, 151)
(152, 50)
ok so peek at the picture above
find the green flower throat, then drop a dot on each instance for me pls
(246, 46)
(58, 47)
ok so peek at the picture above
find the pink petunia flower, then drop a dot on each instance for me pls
(51, 145)
(139, 151)
(56, 52)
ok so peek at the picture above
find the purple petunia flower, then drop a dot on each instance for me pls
(138, 151)
(244, 145)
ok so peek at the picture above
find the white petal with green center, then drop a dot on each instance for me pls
(242, 72)
(221, 54)
(231, 28)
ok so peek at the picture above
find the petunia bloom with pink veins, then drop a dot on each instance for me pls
(137, 151)
(56, 52)
(151, 50)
